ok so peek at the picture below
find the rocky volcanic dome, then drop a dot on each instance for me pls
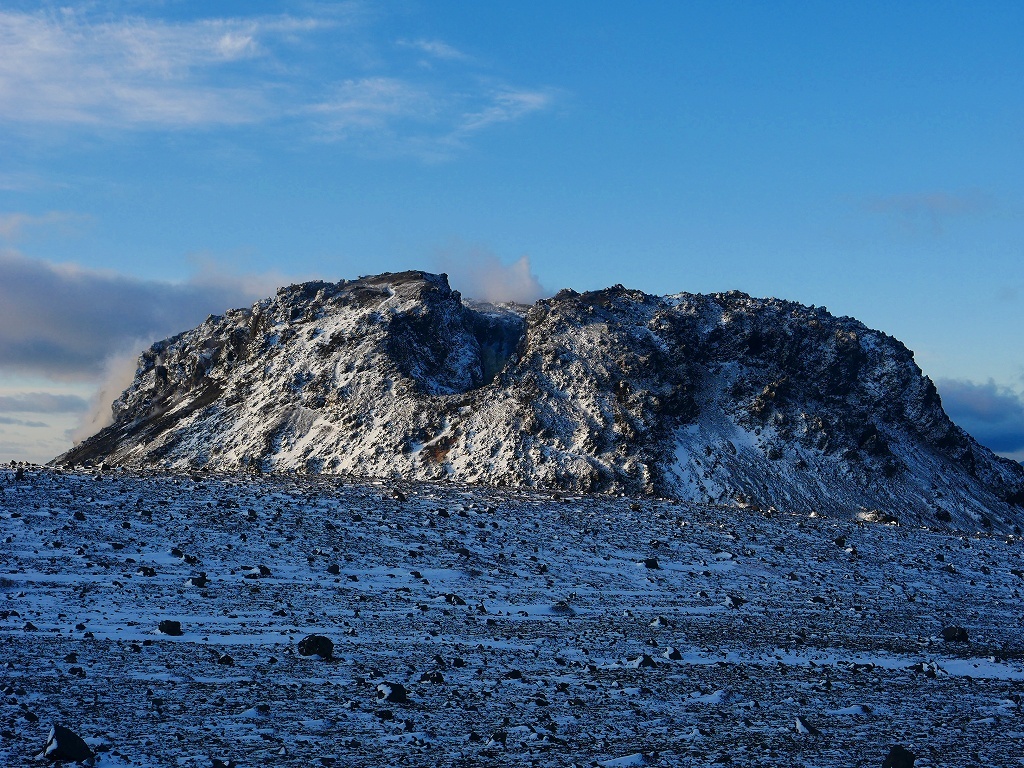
(717, 398)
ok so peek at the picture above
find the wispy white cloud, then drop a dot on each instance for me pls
(22, 422)
(69, 68)
(502, 106)
(929, 211)
(372, 104)
(62, 67)
(436, 49)
(13, 225)
(395, 116)
(41, 402)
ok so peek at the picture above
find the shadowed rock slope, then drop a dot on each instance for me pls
(722, 398)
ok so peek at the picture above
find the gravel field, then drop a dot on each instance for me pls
(485, 627)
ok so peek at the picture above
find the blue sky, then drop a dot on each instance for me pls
(160, 161)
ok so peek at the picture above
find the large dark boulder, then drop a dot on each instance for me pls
(954, 635)
(392, 693)
(899, 757)
(317, 645)
(65, 746)
(170, 627)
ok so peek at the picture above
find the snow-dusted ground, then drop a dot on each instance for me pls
(568, 648)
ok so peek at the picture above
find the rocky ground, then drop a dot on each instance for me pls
(485, 627)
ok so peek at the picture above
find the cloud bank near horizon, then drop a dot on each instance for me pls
(992, 414)
(64, 322)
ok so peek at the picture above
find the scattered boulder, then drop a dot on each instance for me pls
(63, 745)
(899, 757)
(392, 693)
(652, 563)
(170, 627)
(954, 634)
(317, 645)
(803, 726)
(562, 608)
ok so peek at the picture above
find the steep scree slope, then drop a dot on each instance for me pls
(719, 397)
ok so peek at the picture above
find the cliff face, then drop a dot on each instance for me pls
(705, 397)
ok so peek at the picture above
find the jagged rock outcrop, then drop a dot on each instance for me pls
(722, 398)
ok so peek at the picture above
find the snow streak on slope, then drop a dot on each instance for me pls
(706, 398)
(526, 629)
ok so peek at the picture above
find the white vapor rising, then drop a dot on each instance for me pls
(118, 374)
(479, 274)
(65, 323)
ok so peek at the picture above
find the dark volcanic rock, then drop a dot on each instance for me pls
(701, 397)
(170, 627)
(63, 745)
(899, 757)
(954, 635)
(317, 645)
(392, 693)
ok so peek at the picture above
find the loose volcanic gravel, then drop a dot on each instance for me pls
(159, 617)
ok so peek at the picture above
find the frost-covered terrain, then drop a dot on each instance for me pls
(522, 627)
(697, 397)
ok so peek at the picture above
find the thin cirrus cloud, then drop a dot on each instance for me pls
(61, 67)
(994, 415)
(395, 116)
(929, 211)
(67, 68)
(14, 225)
(22, 422)
(435, 49)
(42, 402)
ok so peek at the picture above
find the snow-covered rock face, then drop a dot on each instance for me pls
(706, 397)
